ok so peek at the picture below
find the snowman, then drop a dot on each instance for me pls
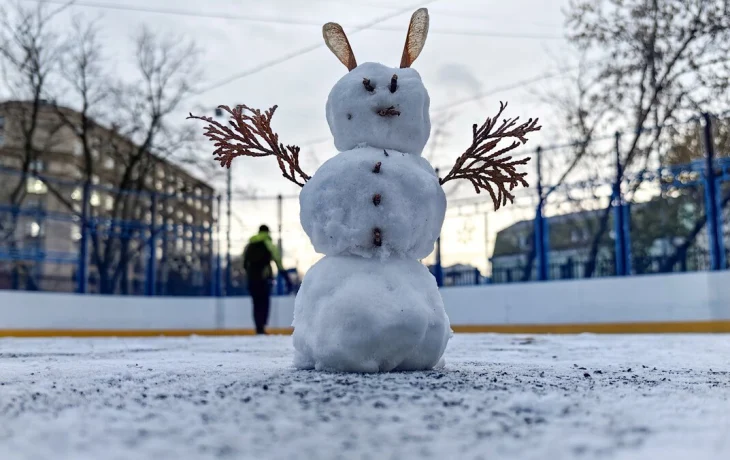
(374, 210)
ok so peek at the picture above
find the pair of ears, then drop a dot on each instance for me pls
(337, 42)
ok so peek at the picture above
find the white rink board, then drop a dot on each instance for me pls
(701, 296)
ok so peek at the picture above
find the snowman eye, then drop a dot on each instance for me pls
(368, 86)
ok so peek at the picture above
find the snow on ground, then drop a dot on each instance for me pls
(499, 397)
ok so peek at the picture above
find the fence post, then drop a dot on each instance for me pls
(628, 264)
(540, 229)
(212, 266)
(714, 221)
(619, 227)
(218, 276)
(228, 229)
(164, 262)
(438, 268)
(82, 271)
(151, 277)
(280, 217)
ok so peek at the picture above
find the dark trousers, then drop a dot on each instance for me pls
(260, 291)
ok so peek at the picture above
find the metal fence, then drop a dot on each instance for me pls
(661, 217)
(71, 236)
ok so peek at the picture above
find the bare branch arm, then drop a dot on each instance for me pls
(250, 134)
(488, 169)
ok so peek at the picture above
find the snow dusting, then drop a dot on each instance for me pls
(499, 397)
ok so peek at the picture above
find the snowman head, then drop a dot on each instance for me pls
(379, 106)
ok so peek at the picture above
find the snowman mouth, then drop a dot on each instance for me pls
(389, 112)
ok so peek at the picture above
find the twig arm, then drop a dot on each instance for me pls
(489, 169)
(249, 133)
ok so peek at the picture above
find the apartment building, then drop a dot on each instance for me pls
(133, 201)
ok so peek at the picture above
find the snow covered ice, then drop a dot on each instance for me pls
(338, 214)
(499, 397)
(362, 315)
(352, 110)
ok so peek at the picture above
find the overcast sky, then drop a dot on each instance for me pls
(474, 48)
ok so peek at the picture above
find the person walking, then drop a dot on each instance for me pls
(257, 257)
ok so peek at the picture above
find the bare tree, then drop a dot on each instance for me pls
(653, 63)
(131, 123)
(29, 56)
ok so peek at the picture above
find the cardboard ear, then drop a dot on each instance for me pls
(337, 42)
(416, 38)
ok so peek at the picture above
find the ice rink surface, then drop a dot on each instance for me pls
(499, 397)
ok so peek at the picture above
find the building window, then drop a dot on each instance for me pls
(189, 218)
(33, 201)
(109, 203)
(95, 144)
(523, 241)
(33, 229)
(78, 148)
(108, 162)
(77, 194)
(37, 166)
(36, 186)
(75, 233)
(575, 236)
(95, 200)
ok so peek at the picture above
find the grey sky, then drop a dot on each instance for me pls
(459, 60)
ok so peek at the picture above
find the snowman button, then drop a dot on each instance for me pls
(376, 199)
(377, 237)
(376, 169)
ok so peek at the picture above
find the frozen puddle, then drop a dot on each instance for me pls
(500, 396)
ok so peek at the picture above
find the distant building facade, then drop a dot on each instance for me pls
(657, 228)
(40, 227)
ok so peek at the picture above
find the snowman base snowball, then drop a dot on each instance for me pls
(357, 314)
